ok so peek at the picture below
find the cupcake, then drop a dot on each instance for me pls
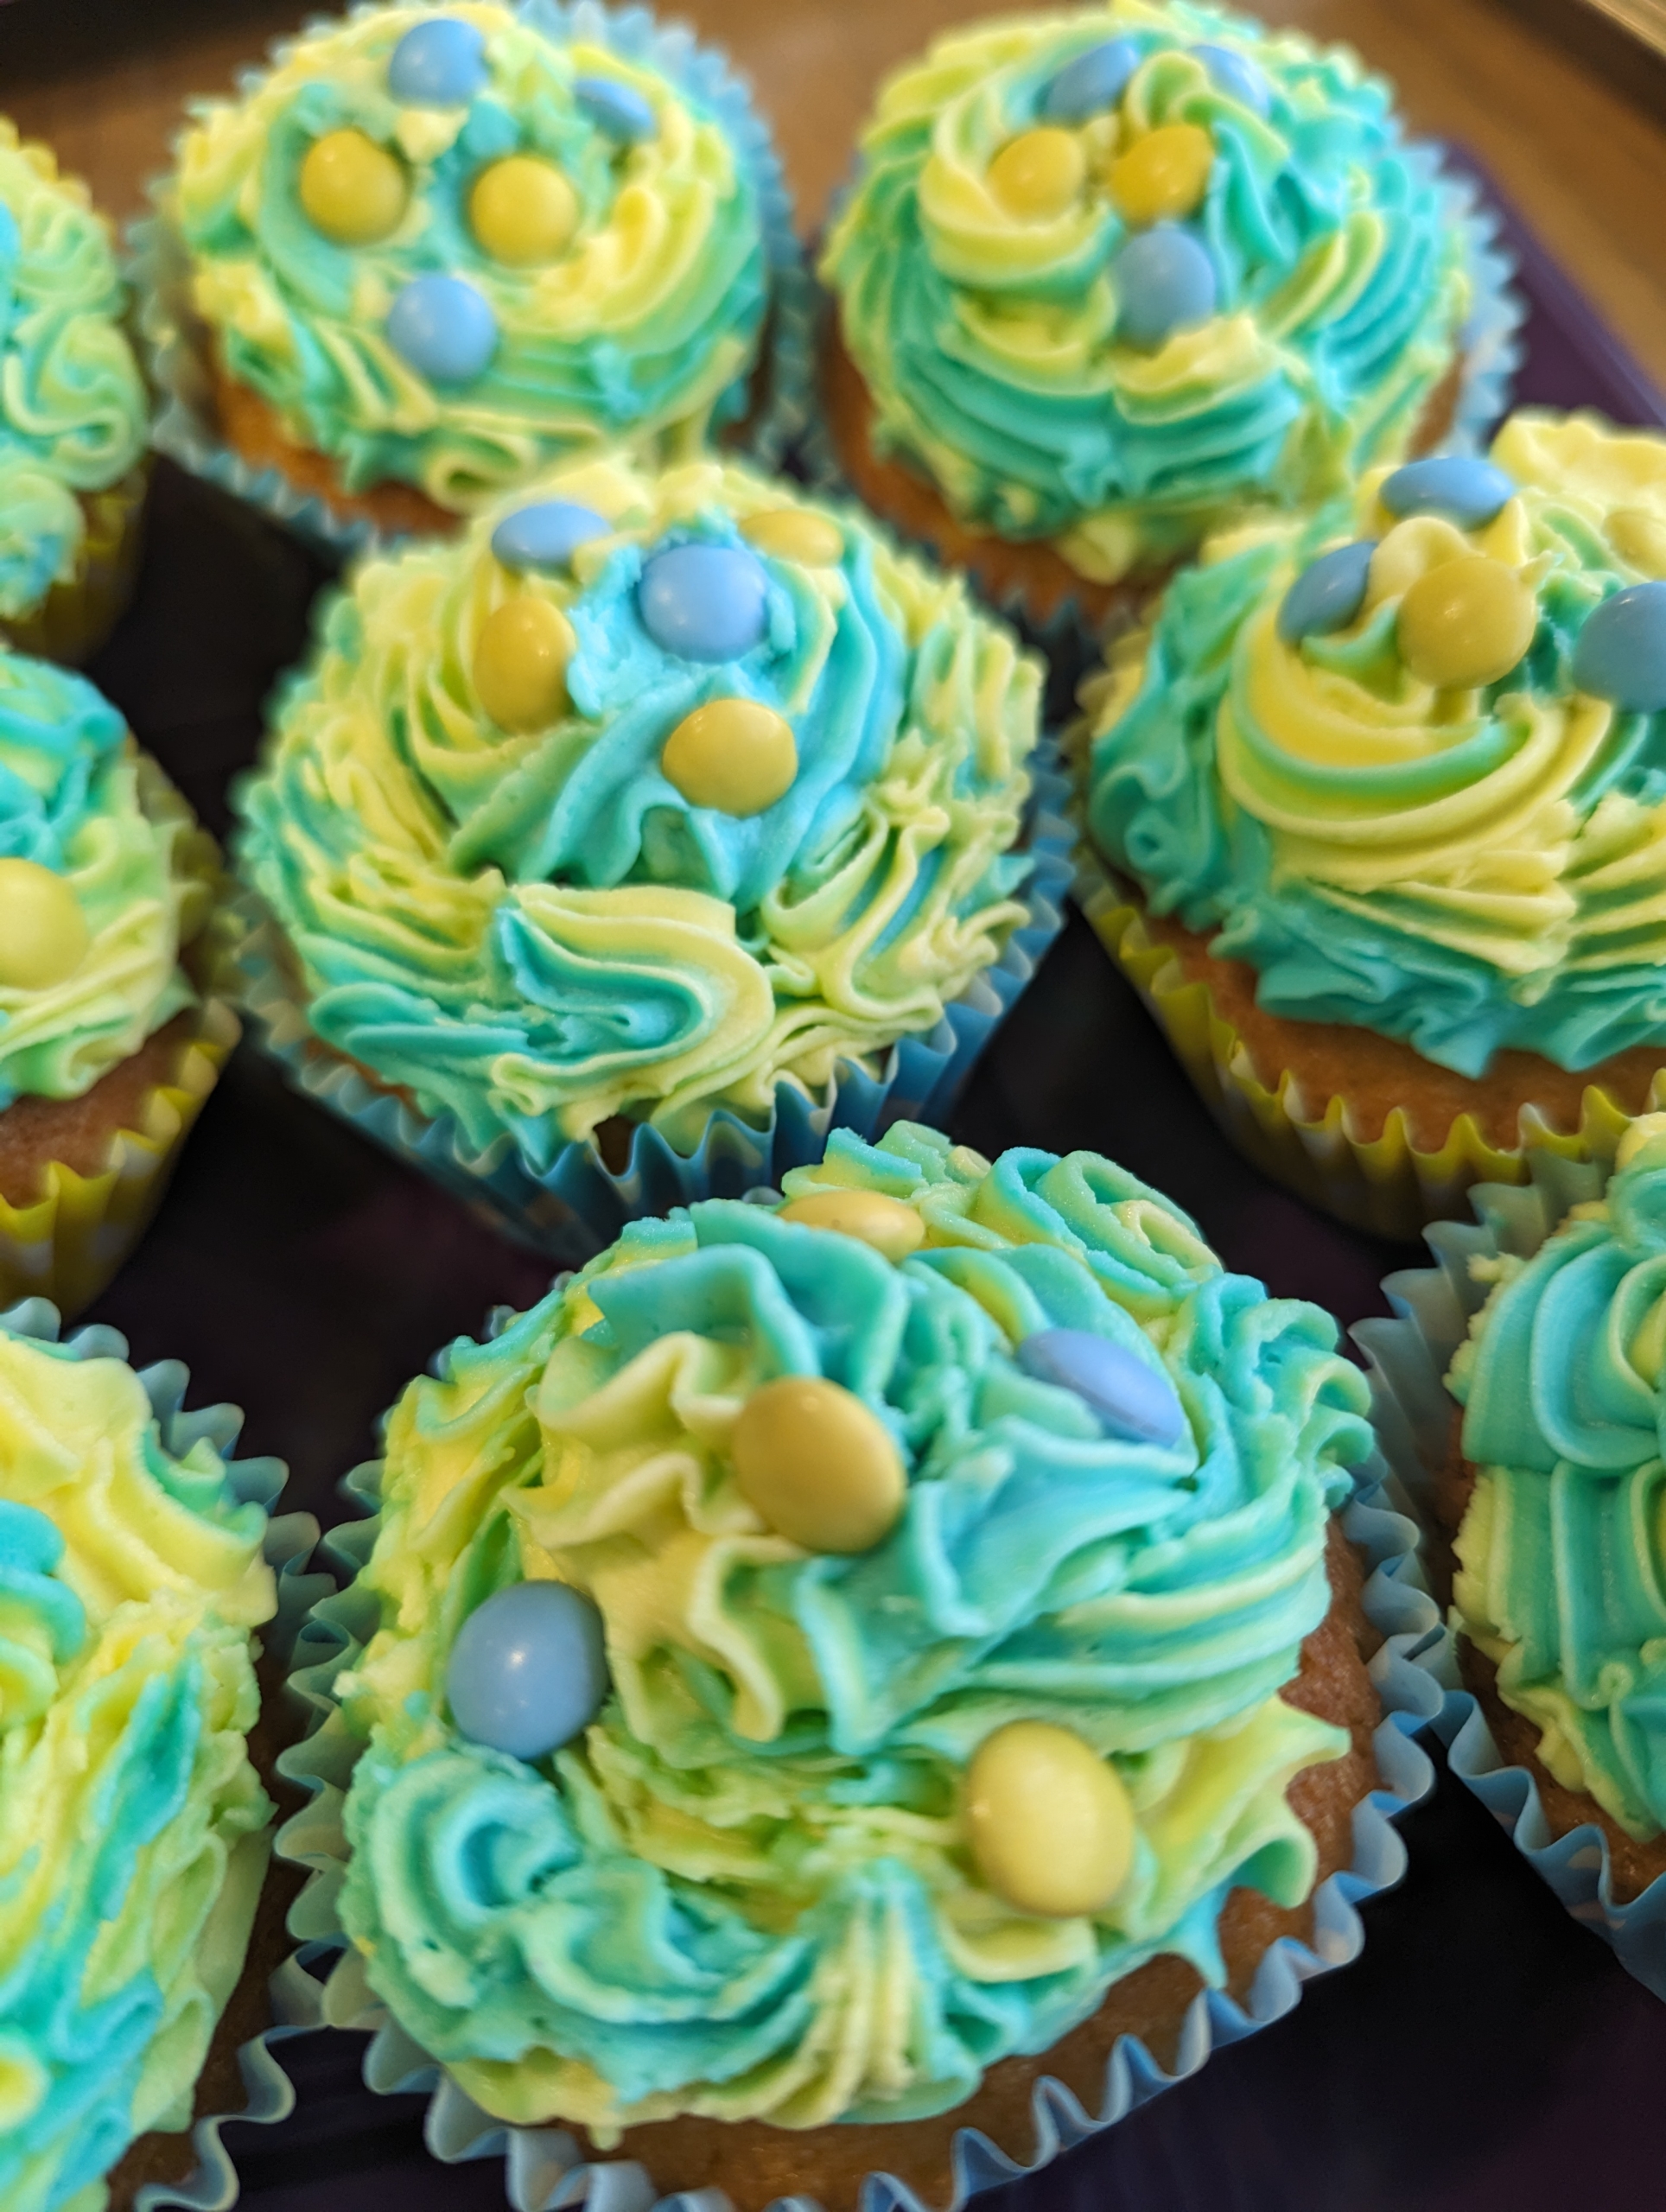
(839, 1662)
(108, 1045)
(632, 838)
(424, 257)
(1107, 280)
(73, 414)
(1383, 794)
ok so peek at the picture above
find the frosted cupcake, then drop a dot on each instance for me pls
(1383, 796)
(1107, 279)
(424, 256)
(73, 414)
(902, 1630)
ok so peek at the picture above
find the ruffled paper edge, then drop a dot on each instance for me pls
(184, 426)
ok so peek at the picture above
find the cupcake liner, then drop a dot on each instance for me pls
(186, 426)
(577, 1207)
(292, 1538)
(75, 618)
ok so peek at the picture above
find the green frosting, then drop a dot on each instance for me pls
(747, 1888)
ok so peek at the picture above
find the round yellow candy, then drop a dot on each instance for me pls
(1466, 621)
(792, 534)
(1163, 175)
(43, 933)
(1639, 536)
(520, 663)
(352, 190)
(819, 1467)
(890, 1227)
(1051, 1825)
(1037, 176)
(522, 210)
(736, 756)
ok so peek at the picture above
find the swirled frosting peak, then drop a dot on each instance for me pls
(750, 1887)
(723, 794)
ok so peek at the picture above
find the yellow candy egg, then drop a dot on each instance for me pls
(890, 1227)
(520, 663)
(352, 190)
(1051, 1825)
(1037, 176)
(43, 933)
(734, 755)
(818, 1466)
(792, 534)
(522, 210)
(1163, 175)
(1638, 536)
(1464, 622)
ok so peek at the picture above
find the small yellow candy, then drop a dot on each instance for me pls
(1636, 1135)
(893, 1229)
(792, 534)
(1050, 1824)
(1638, 536)
(734, 755)
(820, 1468)
(520, 663)
(43, 933)
(1464, 622)
(1036, 176)
(522, 210)
(1163, 175)
(352, 190)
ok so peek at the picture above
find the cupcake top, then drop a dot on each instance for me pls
(130, 1578)
(72, 411)
(451, 248)
(642, 798)
(103, 875)
(1409, 758)
(1111, 275)
(826, 1643)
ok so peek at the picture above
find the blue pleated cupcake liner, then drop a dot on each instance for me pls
(212, 2186)
(577, 1207)
(1409, 1356)
(158, 269)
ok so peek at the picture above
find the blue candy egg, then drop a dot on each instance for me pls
(1134, 1401)
(1621, 654)
(444, 328)
(1092, 83)
(547, 534)
(1239, 79)
(1464, 488)
(1165, 282)
(528, 1670)
(618, 109)
(1327, 594)
(706, 602)
(442, 63)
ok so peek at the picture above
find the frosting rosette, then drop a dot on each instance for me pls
(945, 1532)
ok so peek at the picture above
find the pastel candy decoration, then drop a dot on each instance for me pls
(442, 63)
(817, 1466)
(43, 933)
(1163, 174)
(444, 328)
(547, 534)
(893, 1229)
(1050, 1822)
(736, 756)
(1092, 82)
(1465, 622)
(794, 534)
(351, 190)
(1037, 175)
(520, 665)
(1467, 490)
(617, 109)
(1328, 592)
(1238, 78)
(1165, 282)
(704, 602)
(522, 211)
(1621, 653)
(1132, 1399)
(528, 1670)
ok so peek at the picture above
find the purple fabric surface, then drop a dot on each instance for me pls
(1485, 2053)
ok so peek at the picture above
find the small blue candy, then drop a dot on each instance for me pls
(528, 1670)
(1465, 489)
(440, 64)
(1621, 654)
(620, 109)
(1092, 83)
(706, 602)
(1239, 79)
(546, 535)
(1165, 282)
(1326, 595)
(1134, 1401)
(444, 328)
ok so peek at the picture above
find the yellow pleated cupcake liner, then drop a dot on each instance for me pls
(75, 617)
